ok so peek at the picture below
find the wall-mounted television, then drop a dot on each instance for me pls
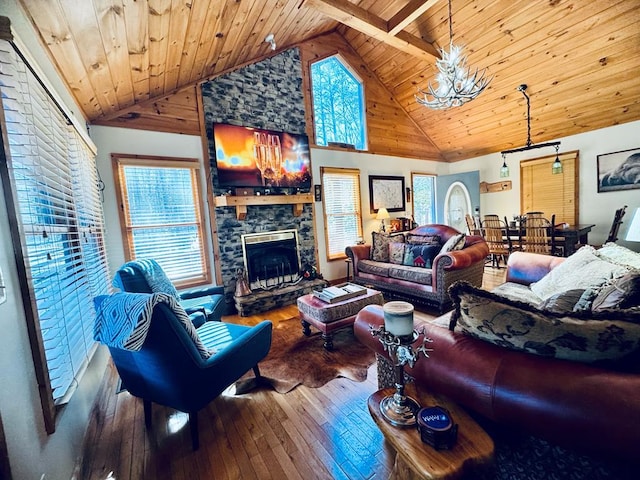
(254, 157)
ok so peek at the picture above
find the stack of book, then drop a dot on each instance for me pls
(339, 293)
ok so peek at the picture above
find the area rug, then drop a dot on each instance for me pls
(295, 359)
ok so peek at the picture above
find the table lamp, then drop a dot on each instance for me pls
(633, 234)
(397, 337)
(382, 215)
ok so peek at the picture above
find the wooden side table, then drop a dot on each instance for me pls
(418, 460)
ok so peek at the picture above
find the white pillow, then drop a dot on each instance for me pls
(614, 253)
(584, 269)
(455, 242)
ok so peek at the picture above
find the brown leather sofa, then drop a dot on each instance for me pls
(466, 264)
(584, 407)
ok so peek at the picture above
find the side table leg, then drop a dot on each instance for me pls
(328, 341)
(402, 471)
(305, 328)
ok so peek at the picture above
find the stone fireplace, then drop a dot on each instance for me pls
(271, 259)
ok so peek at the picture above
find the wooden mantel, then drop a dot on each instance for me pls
(241, 202)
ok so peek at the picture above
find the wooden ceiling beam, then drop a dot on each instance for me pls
(363, 21)
(408, 14)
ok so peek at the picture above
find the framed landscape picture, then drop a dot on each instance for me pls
(619, 170)
(386, 192)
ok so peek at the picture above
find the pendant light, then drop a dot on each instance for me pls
(556, 167)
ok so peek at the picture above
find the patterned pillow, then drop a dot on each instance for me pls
(396, 252)
(456, 242)
(564, 301)
(621, 293)
(583, 336)
(380, 245)
(418, 239)
(420, 255)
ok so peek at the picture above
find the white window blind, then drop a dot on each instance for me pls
(161, 215)
(342, 210)
(51, 184)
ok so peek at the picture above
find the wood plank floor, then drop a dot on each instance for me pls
(308, 433)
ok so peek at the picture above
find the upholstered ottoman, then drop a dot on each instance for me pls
(329, 317)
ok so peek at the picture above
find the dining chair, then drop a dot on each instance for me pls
(615, 226)
(496, 235)
(471, 224)
(538, 233)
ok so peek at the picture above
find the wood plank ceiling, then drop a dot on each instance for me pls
(580, 60)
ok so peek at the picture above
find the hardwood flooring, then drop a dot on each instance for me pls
(308, 433)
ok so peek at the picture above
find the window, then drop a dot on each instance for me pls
(542, 191)
(342, 212)
(161, 215)
(338, 103)
(51, 190)
(424, 198)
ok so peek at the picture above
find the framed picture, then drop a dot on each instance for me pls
(386, 192)
(619, 170)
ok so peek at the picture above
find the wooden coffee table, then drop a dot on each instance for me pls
(418, 460)
(329, 317)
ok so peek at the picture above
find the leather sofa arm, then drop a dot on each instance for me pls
(475, 250)
(357, 253)
(526, 268)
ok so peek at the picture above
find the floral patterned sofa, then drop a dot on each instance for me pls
(421, 264)
(554, 352)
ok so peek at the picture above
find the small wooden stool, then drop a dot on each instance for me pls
(329, 317)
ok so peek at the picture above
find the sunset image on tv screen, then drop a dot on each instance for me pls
(252, 157)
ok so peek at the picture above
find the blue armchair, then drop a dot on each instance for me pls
(147, 276)
(164, 359)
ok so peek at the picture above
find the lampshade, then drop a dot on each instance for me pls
(504, 170)
(382, 214)
(633, 234)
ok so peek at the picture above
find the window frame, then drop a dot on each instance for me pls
(362, 101)
(433, 192)
(152, 161)
(355, 175)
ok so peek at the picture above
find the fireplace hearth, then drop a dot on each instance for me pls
(271, 259)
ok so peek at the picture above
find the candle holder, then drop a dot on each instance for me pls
(399, 409)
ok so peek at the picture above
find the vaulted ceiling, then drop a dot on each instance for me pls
(580, 59)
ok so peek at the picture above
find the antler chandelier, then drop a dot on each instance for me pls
(456, 84)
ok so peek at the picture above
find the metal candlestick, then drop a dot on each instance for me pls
(399, 409)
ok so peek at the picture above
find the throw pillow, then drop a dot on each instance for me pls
(420, 255)
(583, 270)
(584, 336)
(417, 239)
(614, 253)
(396, 252)
(456, 242)
(563, 302)
(380, 245)
(623, 292)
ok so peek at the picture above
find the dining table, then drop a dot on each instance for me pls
(568, 238)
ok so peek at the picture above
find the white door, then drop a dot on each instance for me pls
(457, 203)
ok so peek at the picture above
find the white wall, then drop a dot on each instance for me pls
(594, 208)
(139, 142)
(368, 165)
(32, 452)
